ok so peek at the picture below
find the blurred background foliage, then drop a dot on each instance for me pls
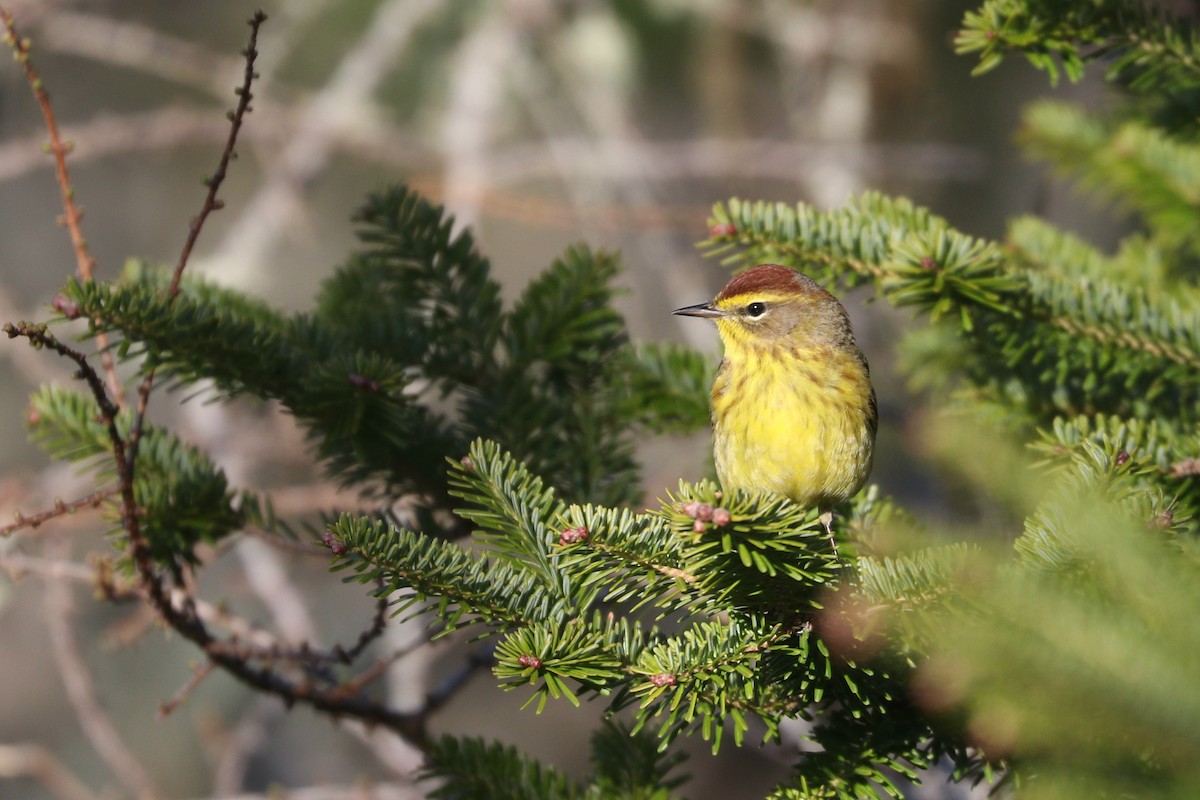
(539, 124)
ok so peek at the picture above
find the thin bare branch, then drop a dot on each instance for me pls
(340, 105)
(60, 509)
(85, 264)
(201, 672)
(211, 204)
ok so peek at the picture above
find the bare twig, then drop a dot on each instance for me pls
(338, 106)
(85, 264)
(211, 204)
(18, 566)
(81, 691)
(92, 500)
(201, 672)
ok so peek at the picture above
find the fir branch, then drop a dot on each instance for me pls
(470, 768)
(849, 245)
(1100, 487)
(356, 405)
(553, 653)
(705, 678)
(903, 589)
(633, 766)
(1142, 169)
(756, 551)
(1146, 48)
(417, 567)
(628, 556)
(417, 276)
(511, 505)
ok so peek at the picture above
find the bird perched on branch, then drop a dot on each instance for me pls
(793, 409)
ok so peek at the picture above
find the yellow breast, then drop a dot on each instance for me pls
(800, 423)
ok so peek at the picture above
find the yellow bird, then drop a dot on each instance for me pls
(793, 408)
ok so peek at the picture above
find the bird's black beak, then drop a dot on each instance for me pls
(706, 310)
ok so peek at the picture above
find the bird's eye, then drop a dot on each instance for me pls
(756, 309)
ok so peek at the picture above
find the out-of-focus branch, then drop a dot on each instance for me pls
(374, 791)
(476, 93)
(136, 46)
(97, 725)
(36, 763)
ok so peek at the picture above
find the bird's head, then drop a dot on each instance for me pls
(770, 305)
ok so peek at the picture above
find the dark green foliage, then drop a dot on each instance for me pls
(625, 767)
(668, 387)
(414, 314)
(472, 769)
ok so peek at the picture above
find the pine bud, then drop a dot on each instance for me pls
(1122, 458)
(722, 229)
(704, 512)
(663, 679)
(721, 517)
(335, 545)
(1164, 520)
(573, 535)
(699, 527)
(66, 306)
(530, 661)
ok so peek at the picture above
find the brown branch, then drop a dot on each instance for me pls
(211, 204)
(92, 500)
(85, 264)
(198, 675)
(378, 623)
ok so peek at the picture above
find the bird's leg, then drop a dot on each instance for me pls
(827, 520)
